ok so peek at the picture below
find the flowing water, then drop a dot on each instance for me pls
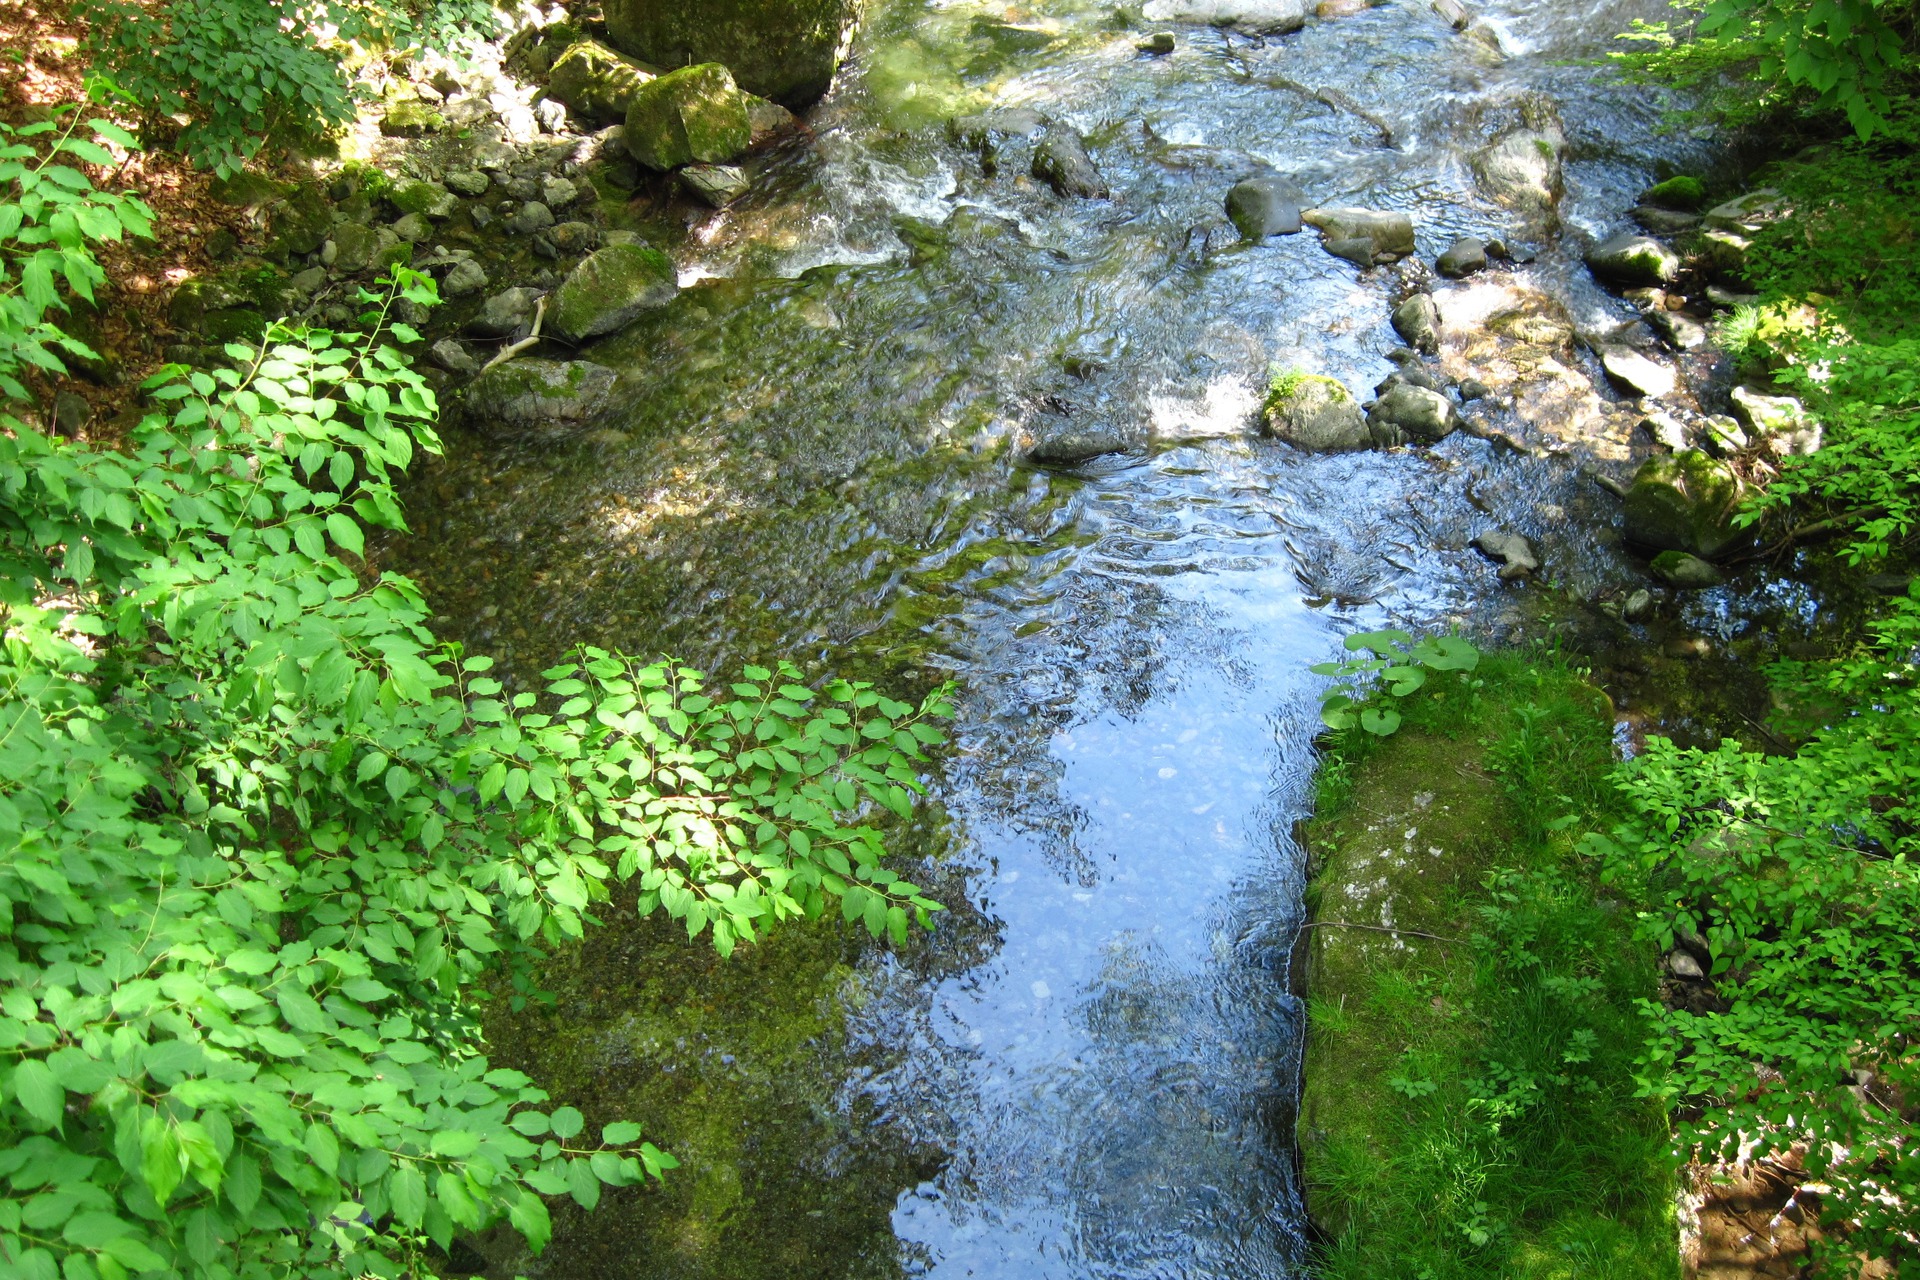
(817, 459)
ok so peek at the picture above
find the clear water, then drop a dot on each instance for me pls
(815, 460)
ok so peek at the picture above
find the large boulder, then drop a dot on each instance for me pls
(693, 114)
(610, 288)
(1315, 413)
(1409, 412)
(538, 399)
(595, 81)
(1633, 261)
(1389, 235)
(786, 50)
(1522, 171)
(1255, 17)
(1263, 206)
(1684, 501)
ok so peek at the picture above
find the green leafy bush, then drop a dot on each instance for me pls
(269, 845)
(1796, 876)
(49, 218)
(242, 70)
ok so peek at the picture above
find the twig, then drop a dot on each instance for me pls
(1606, 482)
(1338, 101)
(532, 339)
(1375, 928)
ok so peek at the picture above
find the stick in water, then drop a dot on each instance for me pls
(532, 339)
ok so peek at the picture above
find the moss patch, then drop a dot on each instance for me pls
(1468, 1108)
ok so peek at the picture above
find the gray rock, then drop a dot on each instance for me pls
(1462, 258)
(1633, 260)
(1683, 501)
(505, 314)
(1522, 170)
(354, 246)
(558, 193)
(307, 283)
(1512, 551)
(1414, 413)
(785, 50)
(1262, 206)
(1663, 222)
(467, 277)
(1355, 249)
(1682, 965)
(1473, 389)
(694, 115)
(1255, 17)
(987, 133)
(1159, 44)
(71, 413)
(1390, 233)
(429, 199)
(1418, 321)
(298, 227)
(1639, 604)
(1680, 330)
(595, 81)
(482, 217)
(1665, 430)
(538, 399)
(1317, 414)
(610, 288)
(454, 357)
(1765, 415)
(468, 182)
(1061, 161)
(530, 218)
(550, 115)
(1747, 215)
(717, 185)
(569, 238)
(414, 229)
(1722, 437)
(329, 253)
(1413, 374)
(1638, 373)
(1687, 572)
(1063, 442)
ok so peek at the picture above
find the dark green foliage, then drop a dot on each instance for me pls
(242, 70)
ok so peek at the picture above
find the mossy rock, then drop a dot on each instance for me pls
(354, 247)
(1684, 501)
(538, 399)
(610, 288)
(1684, 193)
(428, 199)
(694, 114)
(597, 82)
(299, 226)
(233, 324)
(786, 50)
(243, 189)
(1633, 261)
(236, 302)
(1316, 413)
(411, 120)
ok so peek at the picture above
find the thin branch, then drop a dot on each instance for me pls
(1376, 928)
(532, 339)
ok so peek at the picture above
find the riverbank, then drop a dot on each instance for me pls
(1468, 1106)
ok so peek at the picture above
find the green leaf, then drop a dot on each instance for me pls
(529, 1217)
(407, 1193)
(619, 1133)
(1380, 721)
(39, 1093)
(567, 1122)
(583, 1184)
(346, 533)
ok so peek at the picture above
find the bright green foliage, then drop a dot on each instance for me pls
(243, 69)
(264, 837)
(1398, 666)
(1469, 1105)
(1839, 56)
(49, 216)
(1798, 875)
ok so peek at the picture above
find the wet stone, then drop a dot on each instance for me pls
(505, 314)
(1638, 373)
(1665, 430)
(1158, 44)
(1418, 321)
(453, 356)
(1512, 551)
(716, 185)
(466, 277)
(1255, 17)
(1390, 234)
(1061, 161)
(1317, 414)
(607, 291)
(529, 218)
(1678, 329)
(1462, 258)
(1686, 572)
(1415, 413)
(1262, 206)
(1633, 260)
(538, 399)
(468, 182)
(1683, 501)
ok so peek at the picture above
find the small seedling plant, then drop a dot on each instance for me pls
(1395, 665)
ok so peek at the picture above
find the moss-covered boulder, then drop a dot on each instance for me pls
(1406, 411)
(230, 306)
(597, 82)
(1683, 193)
(1684, 501)
(354, 246)
(786, 50)
(1315, 413)
(695, 114)
(298, 226)
(610, 288)
(412, 119)
(428, 199)
(1633, 261)
(538, 399)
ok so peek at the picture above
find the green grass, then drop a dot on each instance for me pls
(1469, 1105)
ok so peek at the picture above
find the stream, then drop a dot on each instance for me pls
(1090, 1067)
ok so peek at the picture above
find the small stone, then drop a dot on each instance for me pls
(221, 244)
(609, 289)
(1639, 604)
(1158, 44)
(1722, 437)
(1473, 389)
(1637, 373)
(505, 314)
(544, 247)
(538, 399)
(558, 193)
(551, 115)
(329, 254)
(695, 114)
(468, 182)
(1513, 551)
(520, 125)
(467, 277)
(414, 229)
(71, 413)
(1418, 321)
(427, 198)
(573, 237)
(717, 185)
(1663, 222)
(1062, 162)
(1389, 233)
(1340, 8)
(453, 356)
(411, 119)
(1414, 413)
(1462, 258)
(1680, 330)
(1665, 430)
(1355, 249)
(354, 247)
(1629, 259)
(482, 216)
(529, 218)
(1684, 501)
(1729, 299)
(1686, 572)
(1676, 193)
(308, 282)
(1315, 413)
(1682, 965)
